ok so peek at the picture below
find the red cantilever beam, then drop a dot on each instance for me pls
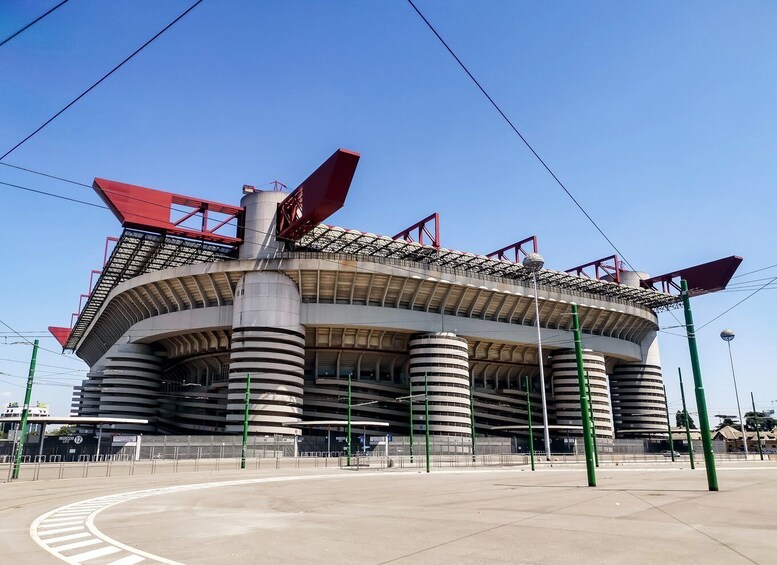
(151, 210)
(517, 249)
(423, 230)
(60, 334)
(319, 196)
(704, 278)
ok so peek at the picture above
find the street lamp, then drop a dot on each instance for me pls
(534, 262)
(727, 336)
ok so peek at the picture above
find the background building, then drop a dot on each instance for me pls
(181, 313)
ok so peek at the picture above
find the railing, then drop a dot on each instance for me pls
(108, 466)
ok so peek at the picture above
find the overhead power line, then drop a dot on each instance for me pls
(749, 296)
(105, 76)
(527, 144)
(520, 135)
(32, 23)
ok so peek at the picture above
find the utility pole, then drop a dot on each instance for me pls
(668, 425)
(701, 400)
(591, 415)
(411, 421)
(25, 412)
(244, 452)
(472, 420)
(687, 422)
(348, 435)
(757, 431)
(589, 456)
(426, 419)
(531, 431)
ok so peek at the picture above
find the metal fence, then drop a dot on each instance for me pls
(119, 465)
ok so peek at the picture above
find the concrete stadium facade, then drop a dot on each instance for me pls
(175, 344)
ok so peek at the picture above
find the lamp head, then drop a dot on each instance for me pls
(727, 335)
(533, 261)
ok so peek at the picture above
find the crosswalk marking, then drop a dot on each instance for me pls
(77, 544)
(67, 537)
(62, 530)
(94, 554)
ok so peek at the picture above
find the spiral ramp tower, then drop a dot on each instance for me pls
(638, 401)
(442, 361)
(268, 342)
(566, 392)
(130, 385)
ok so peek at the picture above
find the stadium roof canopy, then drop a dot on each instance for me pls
(137, 253)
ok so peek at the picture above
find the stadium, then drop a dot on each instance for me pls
(196, 295)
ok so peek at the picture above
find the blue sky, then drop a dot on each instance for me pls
(659, 117)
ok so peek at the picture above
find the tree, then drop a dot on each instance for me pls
(680, 420)
(765, 423)
(726, 421)
(64, 431)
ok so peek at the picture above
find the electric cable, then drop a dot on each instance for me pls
(105, 76)
(527, 144)
(737, 304)
(32, 23)
(520, 135)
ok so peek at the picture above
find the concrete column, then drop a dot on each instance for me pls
(566, 392)
(268, 341)
(638, 393)
(261, 209)
(444, 358)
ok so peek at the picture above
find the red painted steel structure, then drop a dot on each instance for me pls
(319, 196)
(423, 230)
(108, 241)
(517, 249)
(606, 266)
(149, 209)
(704, 278)
(60, 334)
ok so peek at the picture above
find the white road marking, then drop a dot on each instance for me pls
(77, 544)
(86, 511)
(129, 560)
(95, 553)
(67, 537)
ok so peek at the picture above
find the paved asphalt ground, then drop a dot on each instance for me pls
(654, 513)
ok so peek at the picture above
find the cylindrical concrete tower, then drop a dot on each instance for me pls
(268, 342)
(130, 385)
(442, 358)
(259, 224)
(638, 393)
(566, 392)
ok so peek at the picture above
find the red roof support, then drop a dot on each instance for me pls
(60, 334)
(423, 230)
(702, 279)
(319, 196)
(151, 210)
(606, 266)
(516, 249)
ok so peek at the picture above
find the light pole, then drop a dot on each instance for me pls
(426, 419)
(534, 263)
(528, 415)
(246, 408)
(348, 435)
(687, 423)
(411, 421)
(25, 414)
(757, 425)
(727, 336)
